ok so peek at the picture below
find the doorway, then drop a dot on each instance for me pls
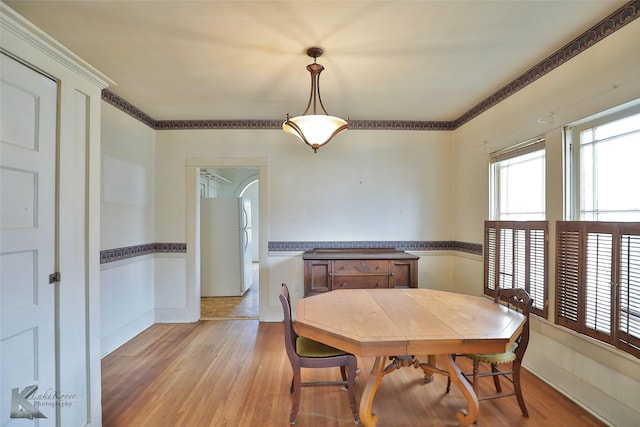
(229, 243)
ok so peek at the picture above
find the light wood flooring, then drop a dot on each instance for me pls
(236, 373)
(246, 306)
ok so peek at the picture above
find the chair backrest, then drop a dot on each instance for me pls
(290, 335)
(518, 299)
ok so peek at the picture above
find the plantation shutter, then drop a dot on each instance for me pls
(598, 281)
(629, 280)
(537, 269)
(516, 254)
(567, 274)
(520, 258)
(490, 257)
(505, 271)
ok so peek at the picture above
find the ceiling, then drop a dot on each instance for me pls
(384, 60)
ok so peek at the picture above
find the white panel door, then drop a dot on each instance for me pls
(27, 245)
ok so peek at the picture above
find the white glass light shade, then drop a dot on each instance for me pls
(315, 129)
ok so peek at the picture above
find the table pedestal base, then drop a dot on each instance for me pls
(429, 368)
(465, 417)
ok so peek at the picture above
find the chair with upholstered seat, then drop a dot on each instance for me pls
(304, 352)
(516, 299)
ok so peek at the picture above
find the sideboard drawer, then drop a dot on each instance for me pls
(360, 282)
(361, 266)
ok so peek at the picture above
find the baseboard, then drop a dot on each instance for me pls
(175, 315)
(594, 400)
(112, 341)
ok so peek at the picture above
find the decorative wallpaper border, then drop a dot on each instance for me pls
(117, 254)
(618, 19)
(124, 106)
(593, 35)
(471, 248)
(277, 124)
(218, 124)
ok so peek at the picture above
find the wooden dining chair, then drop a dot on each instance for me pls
(516, 299)
(304, 352)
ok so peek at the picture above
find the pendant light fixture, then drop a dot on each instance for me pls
(315, 129)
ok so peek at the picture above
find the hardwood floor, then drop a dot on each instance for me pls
(220, 308)
(243, 307)
(235, 373)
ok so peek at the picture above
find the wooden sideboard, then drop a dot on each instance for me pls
(330, 269)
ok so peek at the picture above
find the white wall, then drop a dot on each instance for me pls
(599, 377)
(128, 180)
(364, 185)
(128, 196)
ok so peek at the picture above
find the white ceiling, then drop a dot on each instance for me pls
(384, 60)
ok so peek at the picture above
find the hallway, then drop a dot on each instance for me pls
(244, 307)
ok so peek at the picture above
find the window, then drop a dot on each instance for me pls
(598, 260)
(598, 281)
(603, 158)
(518, 182)
(516, 244)
(516, 256)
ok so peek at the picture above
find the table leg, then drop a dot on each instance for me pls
(465, 418)
(428, 376)
(367, 418)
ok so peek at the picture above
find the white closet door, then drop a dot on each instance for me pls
(27, 244)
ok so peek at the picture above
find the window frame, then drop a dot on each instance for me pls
(571, 135)
(526, 147)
